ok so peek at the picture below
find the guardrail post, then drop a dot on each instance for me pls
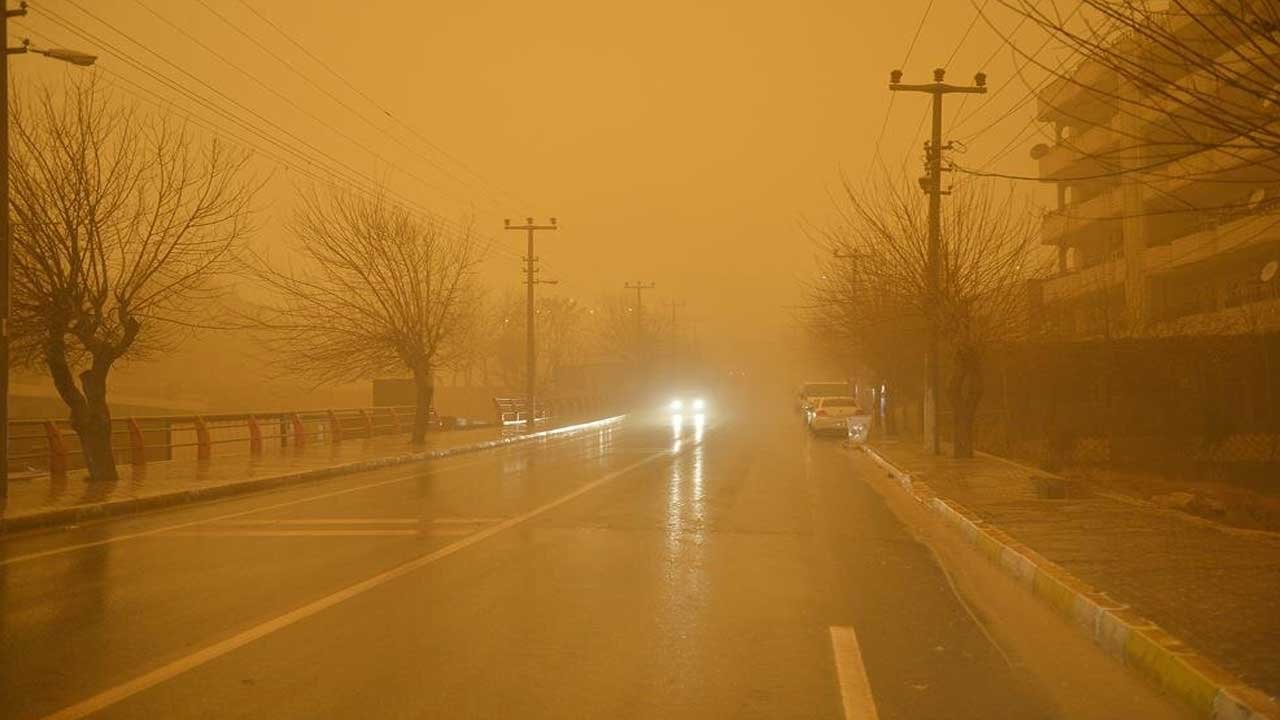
(395, 421)
(368, 422)
(204, 448)
(57, 449)
(137, 447)
(335, 428)
(299, 430)
(255, 436)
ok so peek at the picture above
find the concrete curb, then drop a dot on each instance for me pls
(1123, 634)
(81, 513)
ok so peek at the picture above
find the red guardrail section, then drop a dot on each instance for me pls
(40, 445)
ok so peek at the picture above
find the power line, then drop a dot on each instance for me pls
(315, 58)
(338, 100)
(906, 58)
(325, 177)
(354, 179)
(331, 127)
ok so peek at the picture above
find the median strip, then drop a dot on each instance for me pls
(92, 511)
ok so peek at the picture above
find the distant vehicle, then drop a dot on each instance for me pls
(689, 402)
(811, 390)
(831, 414)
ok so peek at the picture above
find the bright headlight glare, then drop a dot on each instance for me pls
(698, 404)
(676, 405)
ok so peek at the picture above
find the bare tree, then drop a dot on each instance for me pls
(988, 253)
(618, 332)
(122, 226)
(1186, 76)
(379, 291)
(561, 337)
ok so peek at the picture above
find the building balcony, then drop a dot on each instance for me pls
(1227, 237)
(1083, 282)
(1076, 156)
(1186, 177)
(1068, 225)
(1083, 95)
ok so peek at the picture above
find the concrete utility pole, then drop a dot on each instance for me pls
(932, 185)
(639, 287)
(74, 57)
(674, 306)
(531, 274)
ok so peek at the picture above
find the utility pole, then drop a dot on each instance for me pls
(639, 287)
(6, 245)
(674, 306)
(531, 279)
(932, 186)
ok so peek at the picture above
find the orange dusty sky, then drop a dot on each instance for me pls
(677, 142)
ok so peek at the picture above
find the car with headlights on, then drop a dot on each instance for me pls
(688, 403)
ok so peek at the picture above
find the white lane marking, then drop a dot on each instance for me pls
(120, 692)
(229, 516)
(855, 690)
(311, 533)
(328, 521)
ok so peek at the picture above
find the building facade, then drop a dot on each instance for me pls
(1154, 237)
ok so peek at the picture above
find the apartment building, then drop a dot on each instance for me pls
(1190, 244)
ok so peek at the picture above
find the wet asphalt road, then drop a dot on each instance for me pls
(647, 571)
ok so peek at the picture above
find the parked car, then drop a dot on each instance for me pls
(811, 390)
(831, 414)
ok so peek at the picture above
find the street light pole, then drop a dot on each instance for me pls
(531, 356)
(933, 186)
(6, 246)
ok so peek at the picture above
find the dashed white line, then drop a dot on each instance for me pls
(855, 689)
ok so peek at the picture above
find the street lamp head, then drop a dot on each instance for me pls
(895, 77)
(938, 74)
(506, 222)
(75, 57)
(980, 79)
(553, 221)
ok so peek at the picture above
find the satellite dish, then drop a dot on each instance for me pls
(1039, 150)
(1269, 271)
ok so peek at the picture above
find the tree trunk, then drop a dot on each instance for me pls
(966, 392)
(90, 414)
(94, 426)
(424, 386)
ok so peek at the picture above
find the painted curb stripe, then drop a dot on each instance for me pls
(1209, 690)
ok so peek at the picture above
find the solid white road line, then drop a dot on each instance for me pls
(327, 521)
(120, 692)
(855, 690)
(312, 533)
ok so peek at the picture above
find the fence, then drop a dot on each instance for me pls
(52, 446)
(512, 410)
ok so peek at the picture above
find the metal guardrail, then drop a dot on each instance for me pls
(52, 445)
(512, 410)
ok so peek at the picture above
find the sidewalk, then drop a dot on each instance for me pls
(1214, 587)
(41, 500)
